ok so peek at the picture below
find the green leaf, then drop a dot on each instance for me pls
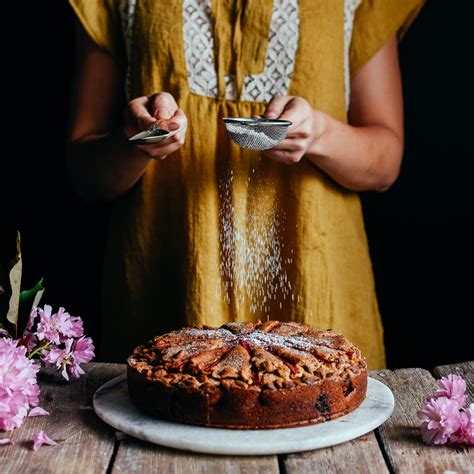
(15, 282)
(32, 292)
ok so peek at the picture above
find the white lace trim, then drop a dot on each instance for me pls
(281, 53)
(279, 62)
(199, 47)
(350, 7)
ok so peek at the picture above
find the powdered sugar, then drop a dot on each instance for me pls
(253, 265)
(202, 333)
(246, 353)
(196, 339)
(267, 340)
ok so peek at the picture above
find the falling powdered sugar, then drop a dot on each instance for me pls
(252, 263)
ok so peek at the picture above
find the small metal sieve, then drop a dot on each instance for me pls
(256, 133)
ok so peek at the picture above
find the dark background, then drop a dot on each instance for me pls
(420, 231)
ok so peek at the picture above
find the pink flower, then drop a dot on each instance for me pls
(59, 358)
(32, 318)
(465, 433)
(68, 359)
(453, 387)
(76, 329)
(75, 370)
(83, 350)
(18, 385)
(38, 411)
(440, 419)
(52, 326)
(41, 438)
(58, 327)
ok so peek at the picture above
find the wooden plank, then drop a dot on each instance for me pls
(465, 369)
(400, 434)
(138, 456)
(361, 455)
(85, 444)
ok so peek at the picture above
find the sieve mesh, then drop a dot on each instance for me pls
(256, 133)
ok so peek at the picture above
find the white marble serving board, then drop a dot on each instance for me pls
(113, 405)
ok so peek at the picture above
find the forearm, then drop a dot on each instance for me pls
(104, 167)
(360, 158)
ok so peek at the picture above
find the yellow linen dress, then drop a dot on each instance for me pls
(214, 232)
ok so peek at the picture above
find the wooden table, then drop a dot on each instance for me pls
(86, 444)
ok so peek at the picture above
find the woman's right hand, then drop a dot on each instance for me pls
(142, 112)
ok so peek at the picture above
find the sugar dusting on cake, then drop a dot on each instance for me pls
(204, 333)
(253, 338)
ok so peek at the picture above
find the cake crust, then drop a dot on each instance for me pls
(248, 375)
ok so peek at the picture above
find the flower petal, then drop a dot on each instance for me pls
(41, 438)
(38, 411)
(5, 441)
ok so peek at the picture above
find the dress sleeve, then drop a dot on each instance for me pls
(102, 22)
(375, 22)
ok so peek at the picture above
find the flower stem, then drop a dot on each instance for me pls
(38, 350)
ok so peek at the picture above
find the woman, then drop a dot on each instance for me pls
(203, 231)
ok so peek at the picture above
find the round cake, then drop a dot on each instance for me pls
(248, 375)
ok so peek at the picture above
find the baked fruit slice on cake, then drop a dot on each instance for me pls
(248, 375)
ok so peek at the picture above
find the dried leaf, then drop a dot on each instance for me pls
(5, 294)
(38, 297)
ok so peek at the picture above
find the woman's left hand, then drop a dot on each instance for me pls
(301, 133)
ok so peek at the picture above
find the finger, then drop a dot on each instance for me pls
(300, 131)
(179, 137)
(162, 105)
(296, 111)
(292, 146)
(276, 107)
(176, 138)
(176, 122)
(161, 151)
(139, 115)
